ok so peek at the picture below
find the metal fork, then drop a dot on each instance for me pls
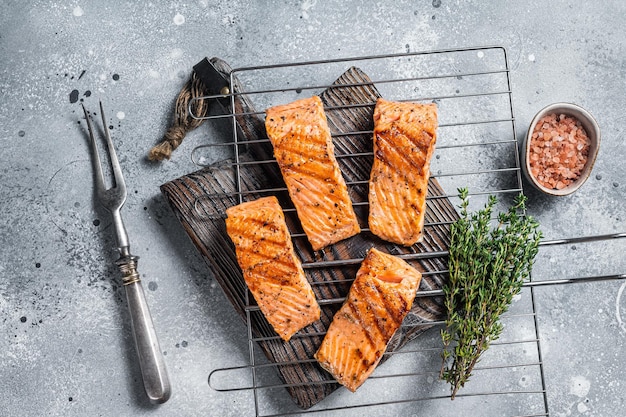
(151, 361)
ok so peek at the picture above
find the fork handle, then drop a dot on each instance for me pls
(155, 379)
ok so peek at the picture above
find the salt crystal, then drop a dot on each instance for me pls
(558, 150)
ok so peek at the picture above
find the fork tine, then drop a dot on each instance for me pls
(97, 163)
(115, 164)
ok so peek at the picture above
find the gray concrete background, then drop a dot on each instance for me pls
(66, 347)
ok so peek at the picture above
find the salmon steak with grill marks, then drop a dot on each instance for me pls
(378, 301)
(304, 150)
(271, 269)
(404, 142)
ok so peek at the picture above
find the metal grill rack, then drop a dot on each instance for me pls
(477, 148)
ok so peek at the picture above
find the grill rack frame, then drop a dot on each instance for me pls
(253, 366)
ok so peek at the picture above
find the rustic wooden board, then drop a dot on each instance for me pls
(200, 199)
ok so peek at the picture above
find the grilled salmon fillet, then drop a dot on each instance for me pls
(404, 142)
(379, 299)
(304, 151)
(270, 267)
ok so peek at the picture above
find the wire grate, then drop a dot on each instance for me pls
(477, 148)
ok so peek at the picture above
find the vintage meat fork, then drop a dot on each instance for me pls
(155, 379)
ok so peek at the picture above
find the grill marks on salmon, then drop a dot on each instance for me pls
(404, 141)
(379, 299)
(384, 289)
(270, 267)
(304, 151)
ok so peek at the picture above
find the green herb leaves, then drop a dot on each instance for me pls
(487, 268)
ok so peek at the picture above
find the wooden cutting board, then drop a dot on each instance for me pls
(200, 199)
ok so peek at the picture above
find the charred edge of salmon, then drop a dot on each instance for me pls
(270, 267)
(304, 151)
(377, 303)
(404, 142)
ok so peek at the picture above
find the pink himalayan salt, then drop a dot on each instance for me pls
(558, 151)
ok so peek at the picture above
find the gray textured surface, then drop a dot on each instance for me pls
(66, 347)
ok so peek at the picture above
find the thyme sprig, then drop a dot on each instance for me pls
(487, 268)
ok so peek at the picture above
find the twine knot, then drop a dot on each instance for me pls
(183, 122)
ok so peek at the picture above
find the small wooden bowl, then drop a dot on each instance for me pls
(593, 132)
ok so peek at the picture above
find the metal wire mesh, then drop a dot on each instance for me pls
(477, 148)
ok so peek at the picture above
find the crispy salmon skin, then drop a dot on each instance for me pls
(380, 297)
(304, 151)
(404, 141)
(270, 266)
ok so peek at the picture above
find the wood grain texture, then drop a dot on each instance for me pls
(200, 199)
